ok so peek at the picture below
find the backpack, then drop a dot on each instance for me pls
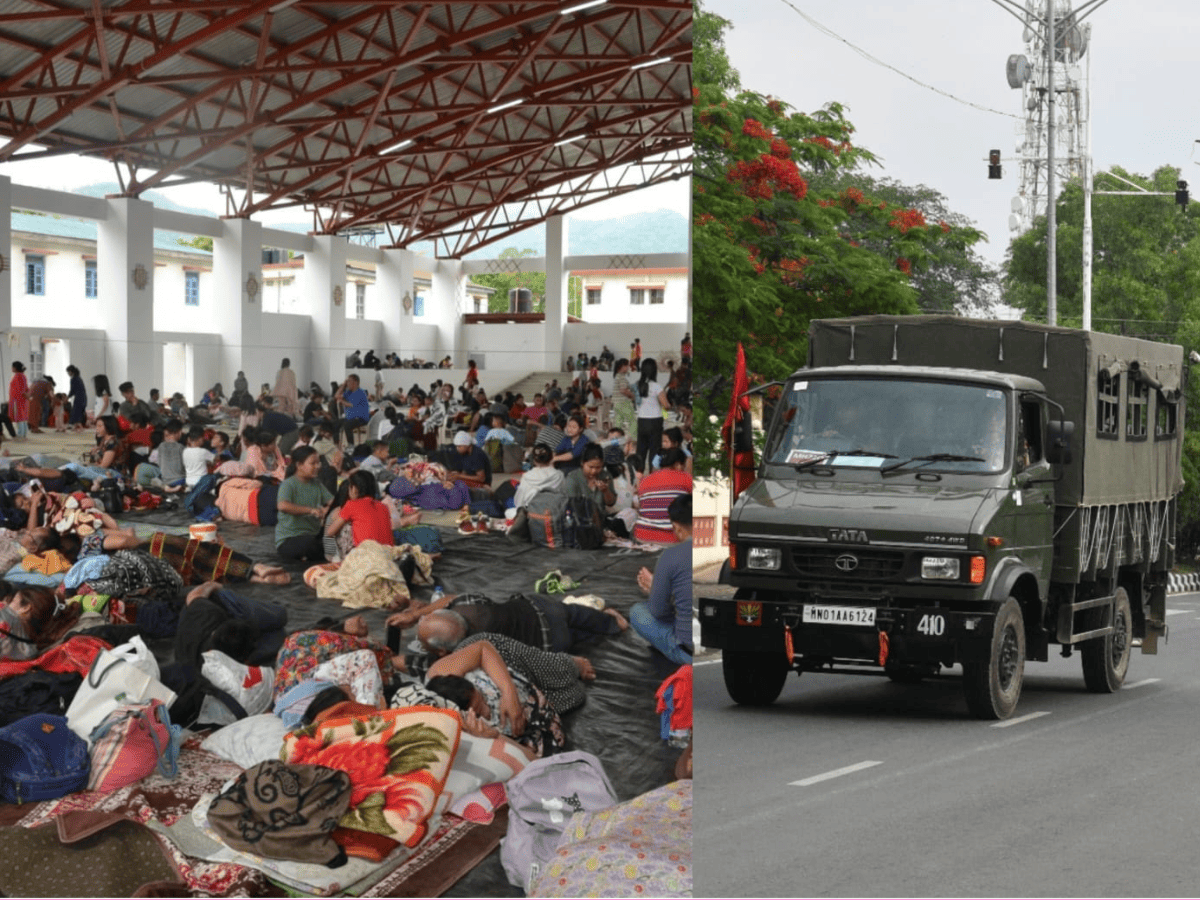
(37, 691)
(542, 797)
(495, 454)
(544, 512)
(191, 688)
(41, 758)
(513, 457)
(587, 531)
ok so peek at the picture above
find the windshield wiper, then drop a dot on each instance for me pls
(931, 458)
(826, 457)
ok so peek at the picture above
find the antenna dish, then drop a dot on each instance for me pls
(1017, 70)
(1017, 205)
(1013, 223)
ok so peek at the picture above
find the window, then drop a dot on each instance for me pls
(656, 295)
(1165, 426)
(1137, 410)
(637, 296)
(191, 288)
(35, 275)
(419, 305)
(1108, 404)
(593, 296)
(360, 301)
(89, 279)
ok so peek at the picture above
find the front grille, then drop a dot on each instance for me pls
(872, 565)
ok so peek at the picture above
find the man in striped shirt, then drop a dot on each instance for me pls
(655, 493)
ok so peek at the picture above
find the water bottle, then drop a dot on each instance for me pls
(438, 594)
(568, 528)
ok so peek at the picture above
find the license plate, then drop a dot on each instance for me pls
(838, 615)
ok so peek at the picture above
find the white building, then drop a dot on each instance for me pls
(105, 284)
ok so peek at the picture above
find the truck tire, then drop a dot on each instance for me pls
(993, 686)
(1106, 659)
(753, 679)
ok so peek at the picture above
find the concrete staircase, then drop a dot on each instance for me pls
(531, 384)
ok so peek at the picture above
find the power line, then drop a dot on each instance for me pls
(879, 62)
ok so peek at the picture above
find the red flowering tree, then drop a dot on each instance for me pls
(770, 252)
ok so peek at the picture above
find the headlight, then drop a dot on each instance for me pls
(763, 558)
(940, 568)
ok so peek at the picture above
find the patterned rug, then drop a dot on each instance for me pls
(450, 852)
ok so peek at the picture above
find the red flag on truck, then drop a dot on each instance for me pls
(736, 433)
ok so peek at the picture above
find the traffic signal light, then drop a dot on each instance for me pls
(1181, 194)
(993, 164)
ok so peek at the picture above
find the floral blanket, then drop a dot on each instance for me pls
(397, 761)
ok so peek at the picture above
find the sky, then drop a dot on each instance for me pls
(69, 172)
(1143, 62)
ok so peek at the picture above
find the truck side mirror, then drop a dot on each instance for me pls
(1058, 443)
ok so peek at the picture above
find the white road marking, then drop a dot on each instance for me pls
(706, 662)
(836, 773)
(1019, 719)
(1144, 681)
(1176, 612)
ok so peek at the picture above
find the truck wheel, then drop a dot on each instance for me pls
(1106, 659)
(910, 673)
(753, 679)
(993, 686)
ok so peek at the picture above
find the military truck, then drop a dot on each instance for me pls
(938, 491)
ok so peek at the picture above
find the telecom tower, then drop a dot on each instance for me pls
(1028, 72)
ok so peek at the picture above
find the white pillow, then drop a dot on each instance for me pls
(480, 761)
(248, 742)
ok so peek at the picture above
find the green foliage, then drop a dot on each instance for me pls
(1145, 283)
(535, 282)
(772, 247)
(200, 242)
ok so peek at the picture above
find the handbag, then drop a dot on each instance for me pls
(111, 682)
(135, 652)
(131, 742)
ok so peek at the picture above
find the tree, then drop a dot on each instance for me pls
(956, 278)
(1145, 283)
(770, 250)
(535, 282)
(200, 242)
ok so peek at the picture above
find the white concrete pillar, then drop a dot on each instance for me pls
(554, 330)
(125, 282)
(237, 287)
(9, 268)
(394, 284)
(325, 298)
(443, 309)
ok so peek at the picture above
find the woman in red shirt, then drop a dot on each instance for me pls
(369, 519)
(18, 399)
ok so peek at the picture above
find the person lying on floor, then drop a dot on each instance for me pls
(81, 526)
(304, 650)
(32, 620)
(560, 676)
(542, 622)
(247, 630)
(477, 681)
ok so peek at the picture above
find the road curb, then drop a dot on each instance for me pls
(1181, 584)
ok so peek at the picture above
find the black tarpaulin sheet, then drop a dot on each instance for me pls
(617, 723)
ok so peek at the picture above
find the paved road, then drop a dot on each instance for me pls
(900, 794)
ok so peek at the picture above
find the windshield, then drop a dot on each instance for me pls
(893, 425)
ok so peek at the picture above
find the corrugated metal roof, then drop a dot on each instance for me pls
(299, 105)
